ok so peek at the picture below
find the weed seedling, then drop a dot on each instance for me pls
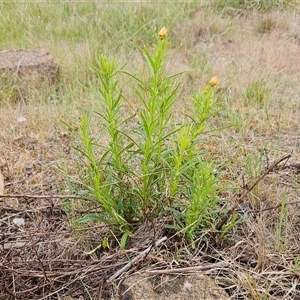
(157, 166)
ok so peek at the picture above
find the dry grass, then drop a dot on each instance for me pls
(256, 60)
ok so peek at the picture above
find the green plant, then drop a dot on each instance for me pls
(296, 266)
(257, 93)
(252, 284)
(155, 165)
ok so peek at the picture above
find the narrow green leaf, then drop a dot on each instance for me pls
(97, 218)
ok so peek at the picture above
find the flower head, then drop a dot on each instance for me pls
(214, 81)
(163, 33)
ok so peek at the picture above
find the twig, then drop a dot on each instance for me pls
(137, 258)
(274, 207)
(188, 269)
(38, 257)
(40, 196)
(241, 196)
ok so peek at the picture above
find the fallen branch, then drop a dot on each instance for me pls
(136, 259)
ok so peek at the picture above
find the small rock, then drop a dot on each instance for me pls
(21, 119)
(171, 287)
(19, 221)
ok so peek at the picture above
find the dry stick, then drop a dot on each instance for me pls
(137, 258)
(188, 269)
(248, 190)
(40, 196)
(37, 255)
(16, 210)
(275, 207)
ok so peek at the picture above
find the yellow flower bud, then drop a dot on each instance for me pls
(213, 81)
(163, 33)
